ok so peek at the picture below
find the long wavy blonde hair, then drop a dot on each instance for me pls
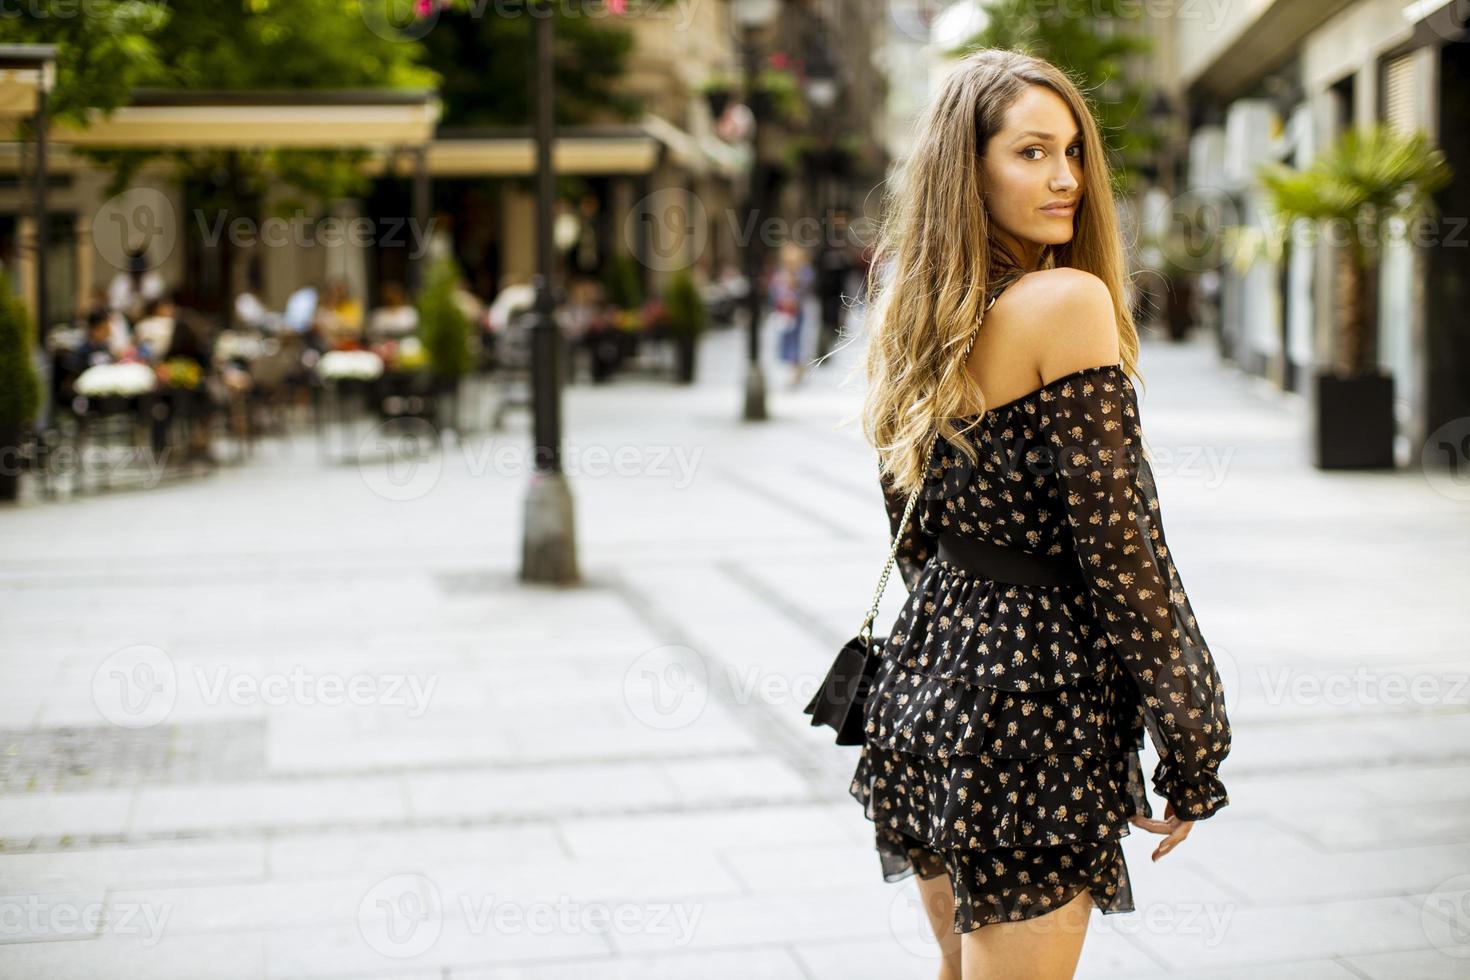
(936, 249)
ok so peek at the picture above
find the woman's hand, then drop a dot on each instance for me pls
(1171, 825)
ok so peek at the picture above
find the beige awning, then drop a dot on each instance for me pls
(18, 88)
(581, 150)
(25, 71)
(516, 156)
(386, 123)
(326, 120)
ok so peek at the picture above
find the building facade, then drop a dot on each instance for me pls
(1278, 80)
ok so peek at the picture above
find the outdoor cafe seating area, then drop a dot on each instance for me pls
(144, 392)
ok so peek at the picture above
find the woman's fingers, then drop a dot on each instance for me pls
(1154, 826)
(1174, 831)
(1172, 841)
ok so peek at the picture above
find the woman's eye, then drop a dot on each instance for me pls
(1029, 149)
(1077, 147)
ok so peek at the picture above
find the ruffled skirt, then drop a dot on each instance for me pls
(1001, 750)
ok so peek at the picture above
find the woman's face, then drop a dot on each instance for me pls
(1033, 173)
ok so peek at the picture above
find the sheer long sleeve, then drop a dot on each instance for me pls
(1111, 504)
(917, 545)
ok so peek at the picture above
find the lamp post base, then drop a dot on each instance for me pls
(755, 394)
(549, 547)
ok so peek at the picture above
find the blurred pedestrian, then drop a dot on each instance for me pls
(789, 288)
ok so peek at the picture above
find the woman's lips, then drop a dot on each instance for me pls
(1059, 211)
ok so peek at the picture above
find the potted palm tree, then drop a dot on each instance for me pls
(687, 321)
(1355, 191)
(20, 387)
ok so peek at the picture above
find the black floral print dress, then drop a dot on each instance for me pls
(1003, 728)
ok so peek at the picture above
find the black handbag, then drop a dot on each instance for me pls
(841, 701)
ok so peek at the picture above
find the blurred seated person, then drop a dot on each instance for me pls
(339, 316)
(162, 335)
(120, 335)
(395, 318)
(130, 291)
(96, 345)
(585, 309)
(250, 312)
(469, 304)
(514, 298)
(300, 313)
(165, 336)
(154, 333)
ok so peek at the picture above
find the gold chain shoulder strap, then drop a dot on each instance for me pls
(867, 629)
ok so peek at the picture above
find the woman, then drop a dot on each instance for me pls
(1046, 623)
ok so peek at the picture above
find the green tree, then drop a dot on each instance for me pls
(485, 61)
(105, 48)
(1097, 43)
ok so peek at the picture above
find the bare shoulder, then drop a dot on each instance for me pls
(1067, 317)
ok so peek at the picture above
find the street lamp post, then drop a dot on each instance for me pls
(751, 16)
(549, 544)
(822, 91)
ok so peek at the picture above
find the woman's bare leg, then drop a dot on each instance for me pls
(1046, 947)
(938, 898)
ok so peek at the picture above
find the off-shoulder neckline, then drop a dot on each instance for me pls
(1070, 375)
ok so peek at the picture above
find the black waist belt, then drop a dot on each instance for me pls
(1001, 564)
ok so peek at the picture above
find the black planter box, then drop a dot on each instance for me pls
(12, 438)
(1354, 423)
